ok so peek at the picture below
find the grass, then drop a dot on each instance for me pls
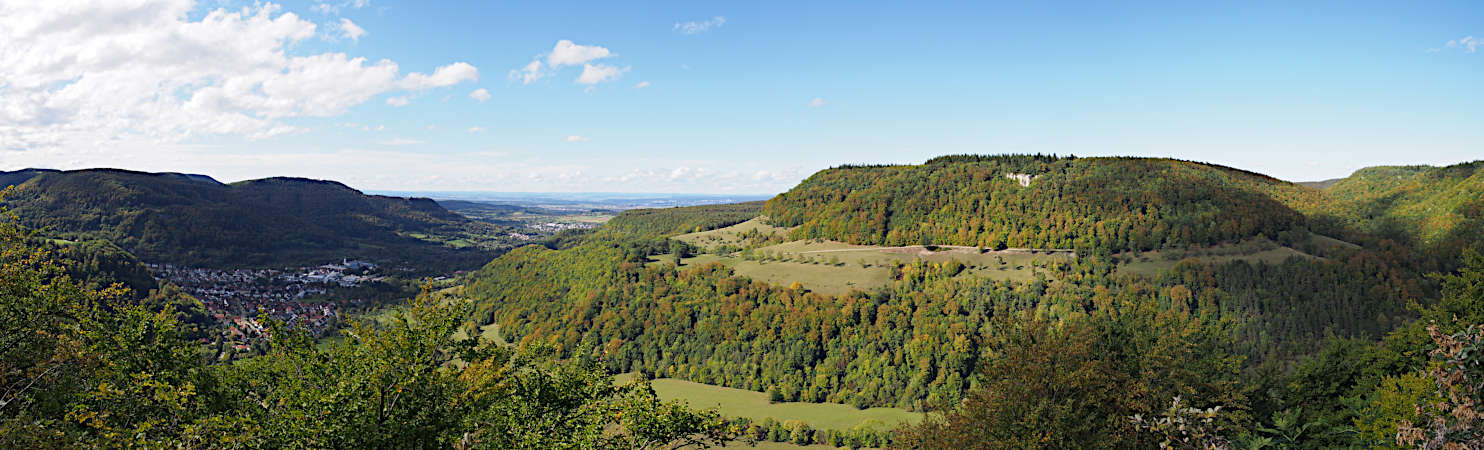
(835, 268)
(732, 235)
(755, 405)
(489, 332)
(1254, 251)
(765, 445)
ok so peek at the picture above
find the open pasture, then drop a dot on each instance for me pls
(755, 405)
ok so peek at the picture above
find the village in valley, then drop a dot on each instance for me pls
(300, 296)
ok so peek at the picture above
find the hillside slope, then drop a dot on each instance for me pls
(914, 339)
(1437, 208)
(1113, 204)
(195, 220)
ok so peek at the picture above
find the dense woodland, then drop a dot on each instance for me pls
(1436, 209)
(673, 221)
(925, 341)
(913, 344)
(274, 222)
(87, 367)
(1116, 204)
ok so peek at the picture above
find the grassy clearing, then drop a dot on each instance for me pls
(777, 445)
(489, 332)
(1254, 251)
(1327, 242)
(732, 235)
(835, 268)
(827, 279)
(1015, 261)
(755, 405)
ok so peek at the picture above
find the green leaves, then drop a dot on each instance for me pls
(82, 365)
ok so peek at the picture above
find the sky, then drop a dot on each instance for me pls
(726, 97)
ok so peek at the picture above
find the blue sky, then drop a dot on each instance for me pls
(751, 97)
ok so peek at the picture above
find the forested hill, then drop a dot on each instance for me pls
(1214, 285)
(196, 220)
(1439, 209)
(1038, 201)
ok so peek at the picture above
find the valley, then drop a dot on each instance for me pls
(495, 225)
(790, 325)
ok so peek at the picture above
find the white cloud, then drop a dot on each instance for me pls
(565, 53)
(480, 95)
(473, 130)
(400, 141)
(817, 102)
(432, 127)
(598, 73)
(351, 30)
(576, 138)
(89, 73)
(694, 27)
(334, 8)
(448, 75)
(680, 172)
(530, 73)
(641, 85)
(398, 101)
(1469, 44)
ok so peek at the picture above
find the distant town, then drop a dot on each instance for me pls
(294, 296)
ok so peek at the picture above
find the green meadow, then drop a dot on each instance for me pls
(1253, 251)
(755, 405)
(834, 268)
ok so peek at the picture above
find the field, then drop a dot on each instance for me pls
(755, 405)
(732, 235)
(1252, 251)
(834, 268)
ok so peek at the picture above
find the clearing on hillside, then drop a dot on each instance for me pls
(834, 268)
(735, 235)
(1253, 251)
(755, 405)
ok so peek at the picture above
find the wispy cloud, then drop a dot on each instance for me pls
(641, 85)
(350, 30)
(566, 53)
(576, 138)
(598, 73)
(448, 75)
(1468, 44)
(817, 102)
(475, 130)
(335, 7)
(400, 141)
(693, 27)
(398, 101)
(528, 74)
(480, 95)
